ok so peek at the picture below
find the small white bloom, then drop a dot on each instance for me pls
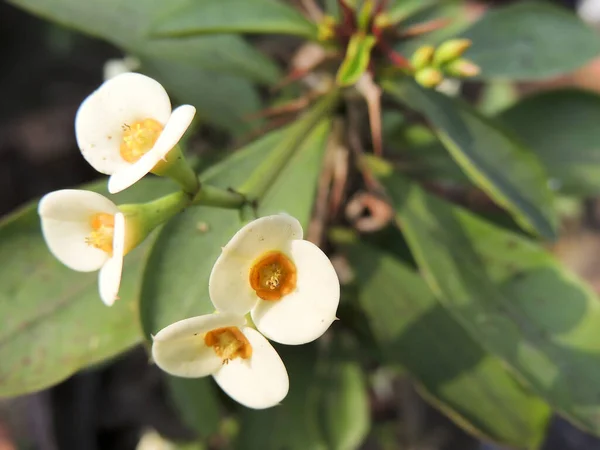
(288, 284)
(239, 358)
(118, 66)
(86, 232)
(126, 128)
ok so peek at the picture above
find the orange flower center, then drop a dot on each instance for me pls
(103, 228)
(138, 138)
(228, 343)
(273, 275)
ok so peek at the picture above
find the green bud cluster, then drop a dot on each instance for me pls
(432, 64)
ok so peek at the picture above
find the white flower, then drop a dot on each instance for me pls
(86, 232)
(118, 66)
(239, 358)
(126, 129)
(288, 284)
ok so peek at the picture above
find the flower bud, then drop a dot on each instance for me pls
(326, 29)
(382, 21)
(429, 77)
(422, 57)
(450, 50)
(462, 68)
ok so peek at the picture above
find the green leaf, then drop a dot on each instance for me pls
(356, 60)
(225, 100)
(503, 168)
(176, 278)
(196, 17)
(510, 295)
(562, 128)
(530, 40)
(293, 425)
(126, 23)
(326, 408)
(345, 408)
(457, 376)
(53, 322)
(418, 152)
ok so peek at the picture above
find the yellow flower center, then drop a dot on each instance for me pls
(228, 343)
(103, 226)
(272, 276)
(138, 138)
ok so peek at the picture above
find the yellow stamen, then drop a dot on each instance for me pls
(138, 138)
(228, 343)
(103, 226)
(272, 276)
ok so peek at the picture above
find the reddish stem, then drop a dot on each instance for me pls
(395, 58)
(349, 19)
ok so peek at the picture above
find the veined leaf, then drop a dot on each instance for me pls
(510, 295)
(507, 171)
(412, 329)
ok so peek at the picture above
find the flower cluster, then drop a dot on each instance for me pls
(125, 129)
(268, 283)
(289, 289)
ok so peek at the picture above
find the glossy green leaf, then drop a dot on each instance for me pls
(507, 171)
(412, 329)
(356, 60)
(195, 17)
(224, 100)
(562, 128)
(295, 423)
(53, 322)
(176, 278)
(125, 23)
(510, 295)
(530, 40)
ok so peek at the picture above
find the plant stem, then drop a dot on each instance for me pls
(222, 198)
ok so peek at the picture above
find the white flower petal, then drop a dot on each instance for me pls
(229, 284)
(174, 129)
(109, 278)
(264, 234)
(73, 205)
(305, 314)
(65, 217)
(179, 348)
(124, 99)
(258, 382)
